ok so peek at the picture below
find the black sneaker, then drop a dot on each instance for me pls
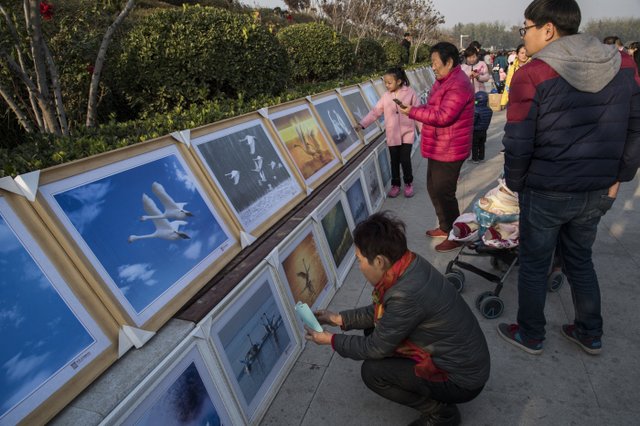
(591, 345)
(448, 415)
(511, 333)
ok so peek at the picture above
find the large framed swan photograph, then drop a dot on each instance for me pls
(143, 225)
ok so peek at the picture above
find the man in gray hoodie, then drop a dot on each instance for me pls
(572, 135)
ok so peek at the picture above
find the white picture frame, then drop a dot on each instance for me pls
(50, 337)
(254, 339)
(187, 387)
(373, 183)
(357, 106)
(355, 192)
(335, 223)
(384, 164)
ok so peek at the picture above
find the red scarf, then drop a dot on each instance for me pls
(425, 368)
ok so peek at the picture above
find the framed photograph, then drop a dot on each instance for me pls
(354, 190)
(183, 390)
(384, 163)
(255, 179)
(337, 123)
(254, 338)
(372, 97)
(144, 224)
(359, 109)
(372, 182)
(56, 339)
(414, 81)
(378, 84)
(304, 140)
(416, 142)
(303, 269)
(336, 224)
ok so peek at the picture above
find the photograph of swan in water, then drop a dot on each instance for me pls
(304, 139)
(337, 232)
(371, 94)
(256, 341)
(253, 176)
(48, 337)
(145, 224)
(355, 102)
(184, 394)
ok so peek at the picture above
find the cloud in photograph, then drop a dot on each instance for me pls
(8, 240)
(11, 316)
(18, 368)
(92, 199)
(183, 177)
(137, 272)
(194, 251)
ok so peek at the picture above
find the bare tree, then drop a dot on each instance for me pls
(421, 19)
(32, 68)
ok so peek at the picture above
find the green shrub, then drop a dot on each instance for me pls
(316, 52)
(370, 56)
(177, 57)
(424, 53)
(394, 52)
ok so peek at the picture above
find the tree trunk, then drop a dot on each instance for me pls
(99, 64)
(22, 117)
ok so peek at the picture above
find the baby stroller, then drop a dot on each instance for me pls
(491, 230)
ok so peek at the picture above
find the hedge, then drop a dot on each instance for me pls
(316, 52)
(176, 57)
(394, 52)
(370, 56)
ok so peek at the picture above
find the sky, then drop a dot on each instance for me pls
(507, 11)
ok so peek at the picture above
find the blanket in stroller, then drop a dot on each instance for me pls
(494, 219)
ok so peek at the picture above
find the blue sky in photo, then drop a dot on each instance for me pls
(40, 333)
(106, 212)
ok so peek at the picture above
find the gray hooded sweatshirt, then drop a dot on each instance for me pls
(583, 61)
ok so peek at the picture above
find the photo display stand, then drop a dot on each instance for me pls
(333, 218)
(253, 337)
(372, 97)
(305, 142)
(142, 225)
(384, 164)
(187, 387)
(373, 183)
(357, 106)
(245, 165)
(355, 192)
(57, 335)
(337, 123)
(303, 268)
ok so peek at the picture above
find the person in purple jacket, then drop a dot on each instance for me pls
(447, 129)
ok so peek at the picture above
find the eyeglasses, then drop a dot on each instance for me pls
(523, 30)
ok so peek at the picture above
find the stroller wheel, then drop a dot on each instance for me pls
(555, 281)
(456, 277)
(481, 297)
(491, 307)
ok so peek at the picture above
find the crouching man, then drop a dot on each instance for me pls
(422, 346)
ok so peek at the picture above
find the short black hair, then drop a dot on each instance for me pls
(476, 44)
(615, 40)
(399, 74)
(381, 234)
(446, 51)
(563, 14)
(470, 51)
(407, 34)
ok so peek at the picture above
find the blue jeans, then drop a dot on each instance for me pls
(569, 219)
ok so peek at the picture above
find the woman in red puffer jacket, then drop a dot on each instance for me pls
(447, 129)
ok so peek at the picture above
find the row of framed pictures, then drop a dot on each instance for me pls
(231, 366)
(128, 237)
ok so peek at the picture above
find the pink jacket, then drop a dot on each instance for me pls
(447, 118)
(483, 75)
(398, 127)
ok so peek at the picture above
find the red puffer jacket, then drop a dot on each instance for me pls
(447, 118)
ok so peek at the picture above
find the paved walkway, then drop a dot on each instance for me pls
(563, 386)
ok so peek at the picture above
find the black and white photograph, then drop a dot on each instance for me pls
(372, 181)
(337, 122)
(359, 109)
(372, 96)
(356, 198)
(252, 174)
(385, 165)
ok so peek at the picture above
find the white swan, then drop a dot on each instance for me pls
(234, 175)
(172, 210)
(251, 142)
(164, 229)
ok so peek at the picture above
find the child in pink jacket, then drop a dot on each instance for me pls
(399, 128)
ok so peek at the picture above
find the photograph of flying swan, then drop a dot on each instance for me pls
(144, 224)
